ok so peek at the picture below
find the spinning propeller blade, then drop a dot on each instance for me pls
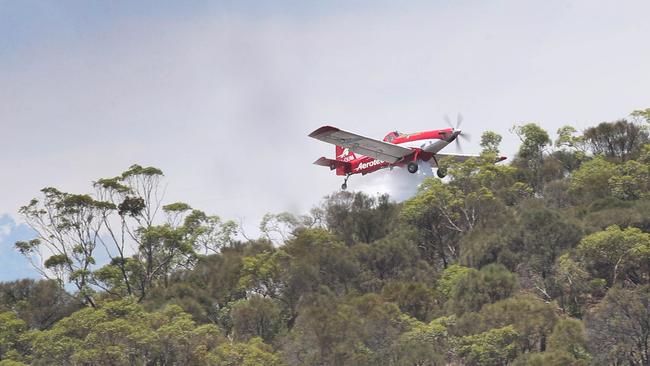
(459, 121)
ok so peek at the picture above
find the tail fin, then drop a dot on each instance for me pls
(344, 154)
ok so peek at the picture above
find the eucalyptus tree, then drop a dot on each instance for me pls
(143, 239)
(68, 227)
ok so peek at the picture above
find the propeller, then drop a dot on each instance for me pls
(457, 130)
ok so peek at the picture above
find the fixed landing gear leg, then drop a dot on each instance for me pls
(344, 186)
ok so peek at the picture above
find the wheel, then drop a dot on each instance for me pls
(442, 172)
(412, 167)
(344, 186)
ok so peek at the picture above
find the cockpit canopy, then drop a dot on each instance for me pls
(391, 136)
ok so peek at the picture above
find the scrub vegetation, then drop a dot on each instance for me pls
(544, 260)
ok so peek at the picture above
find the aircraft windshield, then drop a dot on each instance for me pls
(391, 136)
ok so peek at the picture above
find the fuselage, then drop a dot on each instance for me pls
(360, 164)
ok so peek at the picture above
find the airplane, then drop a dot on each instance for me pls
(356, 154)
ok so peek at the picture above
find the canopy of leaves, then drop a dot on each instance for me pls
(541, 261)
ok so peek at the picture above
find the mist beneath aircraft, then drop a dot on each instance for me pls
(398, 182)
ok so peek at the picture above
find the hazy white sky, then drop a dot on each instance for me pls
(221, 95)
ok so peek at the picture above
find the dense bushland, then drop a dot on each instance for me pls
(541, 261)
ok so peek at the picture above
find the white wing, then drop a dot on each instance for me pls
(358, 144)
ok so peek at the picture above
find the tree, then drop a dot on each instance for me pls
(394, 257)
(573, 285)
(531, 318)
(423, 344)
(256, 317)
(252, 353)
(68, 227)
(620, 140)
(477, 288)
(210, 289)
(122, 333)
(207, 232)
(314, 258)
(591, 181)
(136, 195)
(643, 114)
(449, 279)
(617, 255)
(530, 156)
(123, 218)
(39, 303)
(544, 234)
(357, 217)
(631, 181)
(492, 348)
(619, 327)
(490, 142)
(412, 298)
(279, 228)
(438, 241)
(569, 335)
(11, 329)
(548, 358)
(567, 138)
(330, 331)
(325, 332)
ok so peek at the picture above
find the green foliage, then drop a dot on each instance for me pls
(395, 257)
(562, 231)
(39, 303)
(632, 181)
(566, 137)
(530, 157)
(642, 114)
(424, 344)
(545, 234)
(492, 348)
(121, 333)
(251, 353)
(591, 181)
(450, 277)
(548, 358)
(360, 331)
(177, 207)
(413, 298)
(11, 363)
(574, 284)
(256, 317)
(617, 254)
(531, 318)
(138, 170)
(477, 288)
(619, 327)
(11, 328)
(569, 335)
(490, 142)
(534, 140)
(357, 217)
(620, 140)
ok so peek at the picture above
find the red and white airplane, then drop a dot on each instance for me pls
(356, 154)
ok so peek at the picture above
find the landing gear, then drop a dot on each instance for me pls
(344, 186)
(441, 173)
(412, 167)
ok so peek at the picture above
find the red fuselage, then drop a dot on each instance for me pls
(366, 164)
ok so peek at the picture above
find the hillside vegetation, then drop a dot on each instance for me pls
(541, 261)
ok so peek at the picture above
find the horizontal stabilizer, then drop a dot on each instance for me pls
(331, 163)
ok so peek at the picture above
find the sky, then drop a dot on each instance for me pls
(221, 95)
